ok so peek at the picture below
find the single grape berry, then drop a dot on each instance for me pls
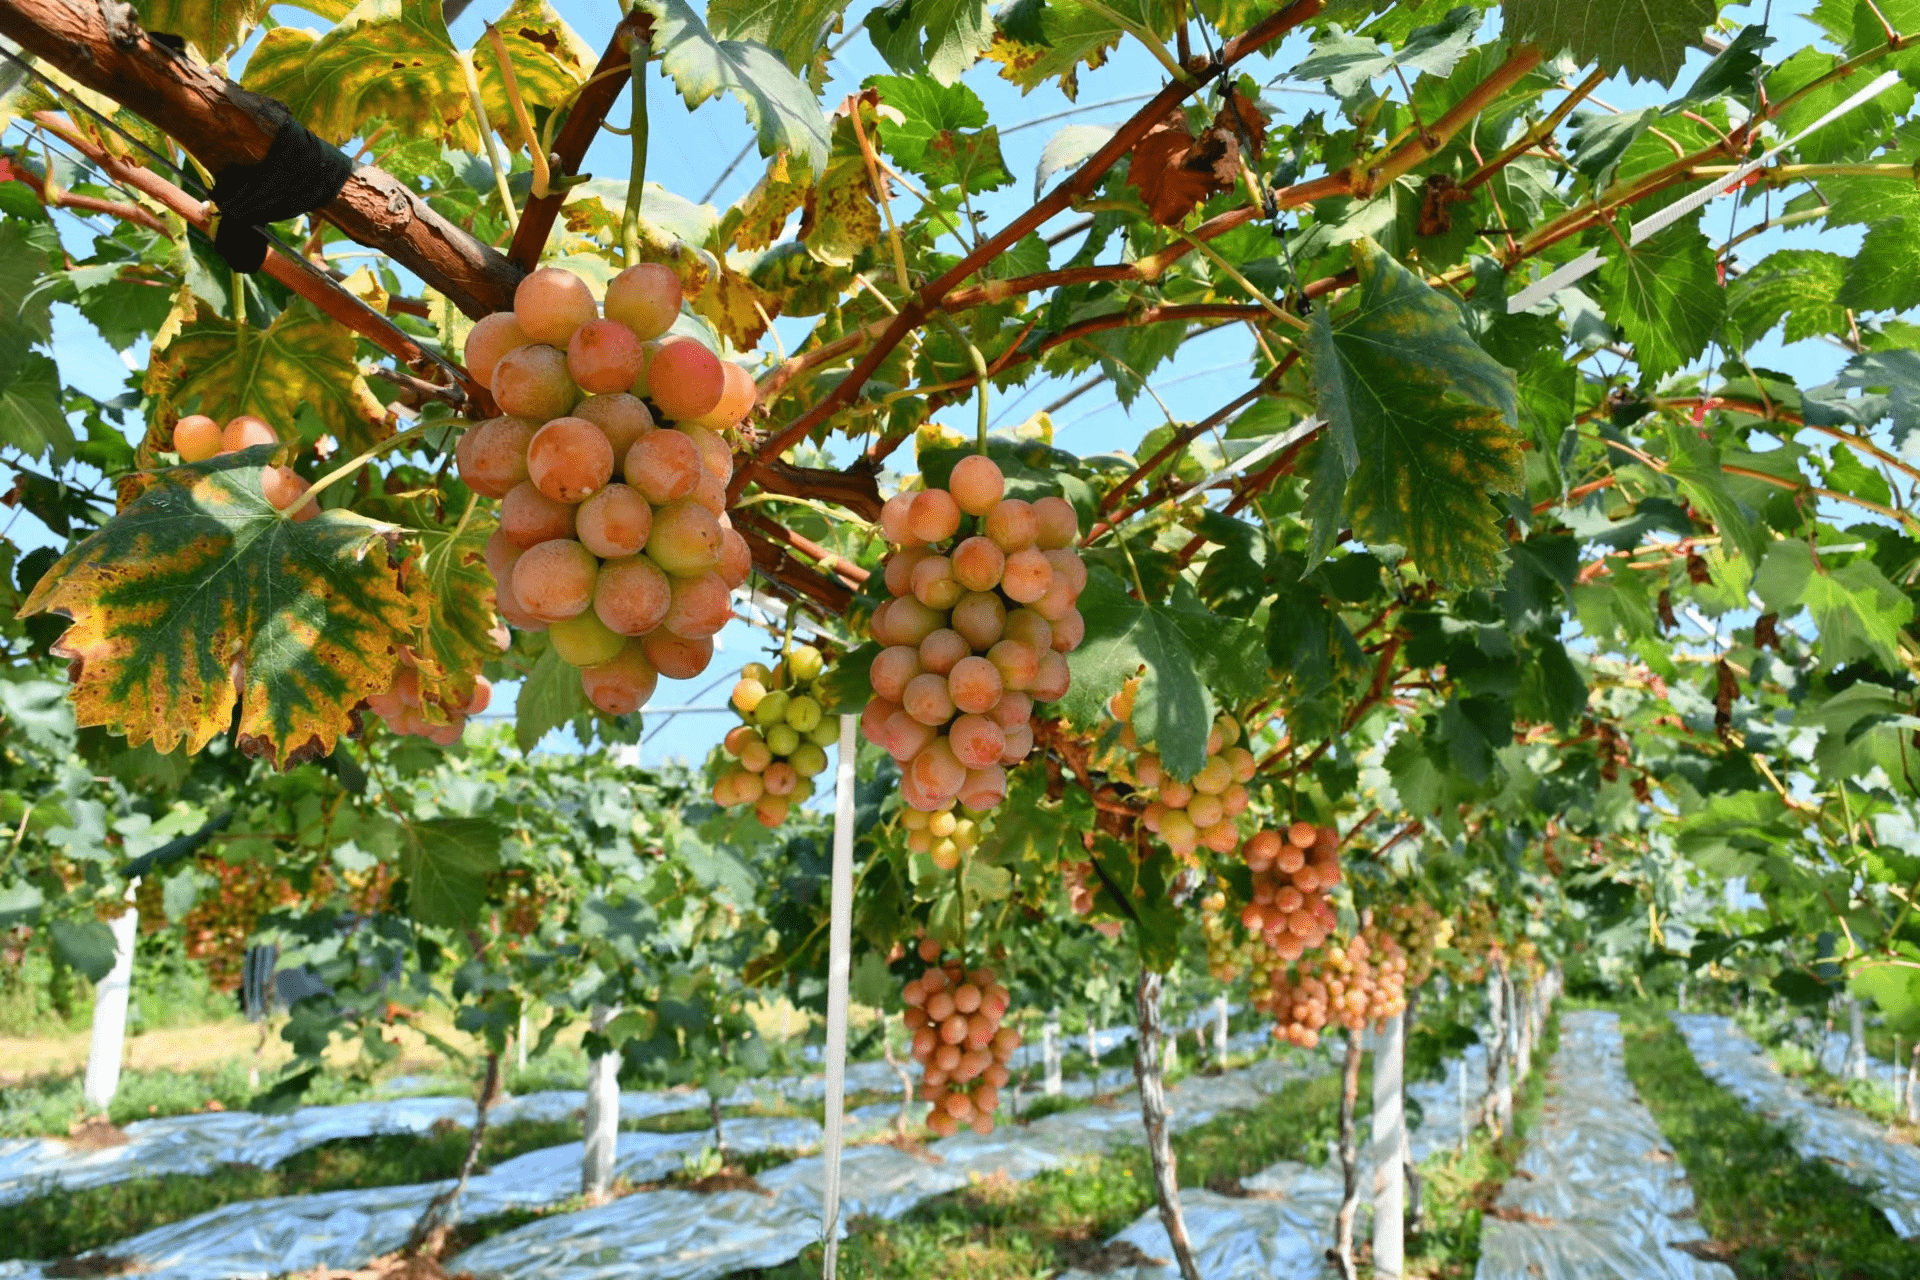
(550, 303)
(196, 438)
(645, 298)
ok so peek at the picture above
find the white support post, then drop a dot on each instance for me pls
(1389, 1141)
(520, 1042)
(1093, 1047)
(1050, 1053)
(1219, 1030)
(839, 967)
(601, 1124)
(110, 1011)
(1466, 1124)
(1856, 1065)
(1525, 1037)
(1171, 1060)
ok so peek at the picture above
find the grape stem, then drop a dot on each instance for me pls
(541, 176)
(637, 180)
(489, 142)
(347, 468)
(980, 377)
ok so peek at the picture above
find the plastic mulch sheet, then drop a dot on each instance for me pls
(671, 1235)
(1859, 1148)
(262, 1238)
(1598, 1193)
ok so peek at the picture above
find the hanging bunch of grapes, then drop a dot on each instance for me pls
(405, 710)
(981, 619)
(614, 537)
(1200, 812)
(942, 836)
(1421, 930)
(1360, 982)
(954, 1015)
(782, 746)
(1291, 876)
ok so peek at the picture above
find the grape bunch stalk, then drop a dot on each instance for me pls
(981, 618)
(614, 537)
(782, 746)
(954, 1015)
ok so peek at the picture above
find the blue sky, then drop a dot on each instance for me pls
(690, 151)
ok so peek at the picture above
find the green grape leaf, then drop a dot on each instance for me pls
(1884, 273)
(846, 687)
(940, 37)
(1665, 294)
(301, 361)
(386, 58)
(453, 590)
(85, 946)
(1173, 709)
(201, 586)
(550, 62)
(1647, 41)
(1694, 464)
(213, 27)
(550, 696)
(1795, 285)
(1859, 613)
(940, 136)
(1350, 62)
(1041, 40)
(31, 419)
(1853, 135)
(1420, 425)
(783, 111)
(1731, 71)
(446, 862)
(794, 29)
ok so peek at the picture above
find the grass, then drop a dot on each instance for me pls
(1772, 1214)
(50, 1106)
(1000, 1229)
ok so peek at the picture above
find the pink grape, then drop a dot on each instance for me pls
(906, 736)
(1018, 665)
(980, 616)
(632, 595)
(646, 298)
(550, 303)
(530, 517)
(555, 579)
(942, 650)
(614, 522)
(1053, 680)
(934, 516)
(583, 640)
(648, 350)
(686, 538)
(1070, 568)
(621, 685)
(905, 621)
(974, 684)
(685, 379)
(490, 338)
(781, 778)
(710, 492)
(736, 399)
(937, 769)
(900, 567)
(1027, 577)
(1069, 629)
(493, 455)
(933, 583)
(1057, 601)
(977, 741)
(531, 382)
(283, 487)
(715, 457)
(244, 432)
(676, 657)
(1057, 525)
(603, 356)
(873, 719)
(1012, 709)
(507, 605)
(1018, 742)
(983, 788)
(736, 558)
(1012, 525)
(927, 700)
(663, 465)
(701, 606)
(501, 553)
(976, 484)
(569, 459)
(1029, 628)
(622, 419)
(978, 564)
(892, 668)
(197, 437)
(896, 521)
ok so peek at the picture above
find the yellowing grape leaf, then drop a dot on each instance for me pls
(1420, 426)
(301, 360)
(737, 307)
(385, 58)
(452, 590)
(213, 27)
(550, 61)
(201, 596)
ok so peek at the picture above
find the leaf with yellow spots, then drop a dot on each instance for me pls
(550, 62)
(386, 58)
(301, 360)
(736, 307)
(201, 597)
(1420, 426)
(453, 591)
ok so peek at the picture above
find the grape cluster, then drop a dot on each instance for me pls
(197, 437)
(1199, 812)
(1421, 930)
(1354, 984)
(614, 537)
(943, 836)
(402, 708)
(978, 627)
(954, 1016)
(1291, 876)
(782, 746)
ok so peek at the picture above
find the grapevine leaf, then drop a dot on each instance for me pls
(1600, 138)
(1795, 285)
(1731, 71)
(1420, 423)
(1066, 149)
(1349, 62)
(1135, 889)
(213, 27)
(782, 110)
(1850, 136)
(1694, 464)
(1647, 41)
(453, 590)
(446, 862)
(385, 58)
(201, 586)
(1665, 294)
(940, 135)
(1173, 709)
(550, 62)
(550, 696)
(1041, 40)
(941, 37)
(85, 946)
(30, 416)
(301, 361)
(846, 687)
(1858, 611)
(1884, 273)
(794, 29)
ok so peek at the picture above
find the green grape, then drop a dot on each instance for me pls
(803, 713)
(805, 662)
(757, 671)
(825, 734)
(771, 709)
(783, 739)
(808, 759)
